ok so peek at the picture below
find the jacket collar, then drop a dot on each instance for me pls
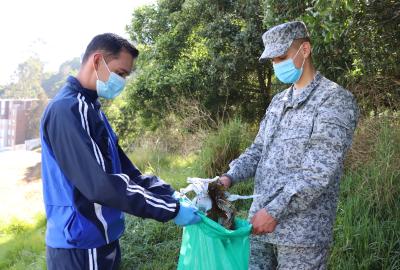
(305, 92)
(89, 95)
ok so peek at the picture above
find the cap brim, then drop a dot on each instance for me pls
(264, 57)
(272, 51)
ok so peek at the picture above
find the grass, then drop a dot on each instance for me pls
(148, 244)
(367, 229)
(366, 233)
(22, 244)
(222, 146)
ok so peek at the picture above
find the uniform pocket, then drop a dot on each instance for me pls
(73, 230)
(293, 146)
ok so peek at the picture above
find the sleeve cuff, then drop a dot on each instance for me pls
(232, 176)
(229, 176)
(278, 207)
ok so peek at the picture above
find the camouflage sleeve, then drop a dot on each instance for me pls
(323, 159)
(245, 165)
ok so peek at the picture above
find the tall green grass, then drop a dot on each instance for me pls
(221, 147)
(367, 231)
(171, 167)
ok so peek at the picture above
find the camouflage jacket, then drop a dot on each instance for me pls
(296, 160)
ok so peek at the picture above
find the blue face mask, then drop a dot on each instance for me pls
(112, 87)
(287, 72)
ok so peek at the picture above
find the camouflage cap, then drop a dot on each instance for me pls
(278, 39)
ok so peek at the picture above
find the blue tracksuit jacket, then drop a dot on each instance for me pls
(88, 181)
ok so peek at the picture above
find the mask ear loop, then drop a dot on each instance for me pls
(304, 59)
(97, 75)
(106, 65)
(96, 72)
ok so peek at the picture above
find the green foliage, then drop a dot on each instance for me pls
(52, 82)
(28, 77)
(148, 244)
(221, 147)
(22, 245)
(208, 51)
(202, 50)
(352, 44)
(125, 122)
(32, 83)
(35, 114)
(368, 222)
(367, 228)
(170, 167)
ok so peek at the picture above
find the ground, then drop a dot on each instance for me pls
(20, 185)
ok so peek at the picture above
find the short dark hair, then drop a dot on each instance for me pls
(111, 44)
(300, 41)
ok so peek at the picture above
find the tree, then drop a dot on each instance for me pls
(352, 44)
(28, 76)
(201, 50)
(35, 114)
(207, 51)
(52, 82)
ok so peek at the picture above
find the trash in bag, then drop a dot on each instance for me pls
(209, 246)
(212, 199)
(222, 211)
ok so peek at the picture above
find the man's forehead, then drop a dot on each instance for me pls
(123, 62)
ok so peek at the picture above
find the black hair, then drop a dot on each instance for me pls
(297, 42)
(300, 41)
(111, 44)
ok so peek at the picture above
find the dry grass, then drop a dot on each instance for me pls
(366, 138)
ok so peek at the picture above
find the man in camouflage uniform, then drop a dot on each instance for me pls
(296, 158)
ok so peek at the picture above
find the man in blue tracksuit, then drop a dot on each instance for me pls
(88, 181)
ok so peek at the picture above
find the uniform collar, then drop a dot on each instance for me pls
(90, 95)
(305, 92)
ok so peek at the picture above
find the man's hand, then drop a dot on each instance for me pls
(263, 222)
(187, 214)
(226, 181)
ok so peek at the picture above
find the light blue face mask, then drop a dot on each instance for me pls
(287, 72)
(112, 87)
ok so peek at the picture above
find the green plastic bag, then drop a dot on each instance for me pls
(208, 245)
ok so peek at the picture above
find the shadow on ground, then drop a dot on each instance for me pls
(33, 173)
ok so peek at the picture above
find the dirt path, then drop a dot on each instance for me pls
(20, 185)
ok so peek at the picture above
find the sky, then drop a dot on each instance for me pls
(56, 31)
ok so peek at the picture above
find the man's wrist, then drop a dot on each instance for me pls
(229, 177)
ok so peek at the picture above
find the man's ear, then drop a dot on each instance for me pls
(306, 50)
(96, 58)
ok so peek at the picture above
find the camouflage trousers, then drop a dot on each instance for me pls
(266, 256)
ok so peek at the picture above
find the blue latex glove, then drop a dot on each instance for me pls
(176, 195)
(187, 214)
